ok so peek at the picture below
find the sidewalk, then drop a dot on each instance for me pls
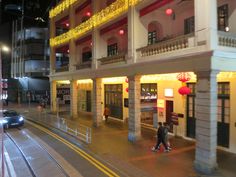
(110, 143)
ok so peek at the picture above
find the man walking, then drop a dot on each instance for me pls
(160, 138)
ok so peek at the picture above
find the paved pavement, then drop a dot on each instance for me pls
(109, 142)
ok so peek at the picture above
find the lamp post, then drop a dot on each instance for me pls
(3, 48)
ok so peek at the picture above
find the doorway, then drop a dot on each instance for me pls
(114, 99)
(88, 101)
(169, 110)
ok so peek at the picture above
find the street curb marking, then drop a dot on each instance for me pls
(86, 156)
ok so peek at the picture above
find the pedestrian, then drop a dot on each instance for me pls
(166, 139)
(106, 112)
(160, 138)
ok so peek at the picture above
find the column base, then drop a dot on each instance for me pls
(204, 168)
(132, 137)
(97, 124)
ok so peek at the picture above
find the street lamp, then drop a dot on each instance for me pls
(3, 48)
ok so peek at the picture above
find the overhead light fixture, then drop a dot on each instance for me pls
(227, 29)
(88, 14)
(121, 31)
(169, 11)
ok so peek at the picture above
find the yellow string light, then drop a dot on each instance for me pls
(105, 15)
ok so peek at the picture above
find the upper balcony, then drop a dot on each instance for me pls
(84, 53)
(167, 34)
(114, 10)
(62, 59)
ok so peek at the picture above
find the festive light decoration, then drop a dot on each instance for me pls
(67, 24)
(105, 15)
(126, 80)
(184, 90)
(64, 5)
(184, 77)
(169, 11)
(127, 89)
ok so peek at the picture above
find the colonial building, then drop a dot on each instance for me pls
(172, 61)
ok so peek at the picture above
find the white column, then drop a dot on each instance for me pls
(97, 102)
(134, 108)
(72, 45)
(137, 34)
(99, 47)
(53, 88)
(73, 98)
(206, 23)
(206, 121)
(52, 60)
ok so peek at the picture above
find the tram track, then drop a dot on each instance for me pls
(22, 154)
(26, 159)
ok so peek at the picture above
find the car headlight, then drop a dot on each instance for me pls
(21, 119)
(3, 121)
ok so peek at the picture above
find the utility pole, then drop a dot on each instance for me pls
(21, 63)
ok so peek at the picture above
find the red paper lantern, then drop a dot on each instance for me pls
(169, 11)
(126, 80)
(127, 89)
(183, 77)
(184, 90)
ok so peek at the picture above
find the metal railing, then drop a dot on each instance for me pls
(79, 131)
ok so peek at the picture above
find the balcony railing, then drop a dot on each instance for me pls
(178, 43)
(226, 39)
(112, 59)
(62, 69)
(84, 65)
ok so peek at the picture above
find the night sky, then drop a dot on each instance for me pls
(33, 9)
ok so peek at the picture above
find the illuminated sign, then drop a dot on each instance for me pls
(161, 103)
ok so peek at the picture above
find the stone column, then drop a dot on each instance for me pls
(135, 30)
(97, 102)
(53, 88)
(73, 99)
(52, 60)
(206, 23)
(72, 45)
(134, 108)
(206, 121)
(52, 49)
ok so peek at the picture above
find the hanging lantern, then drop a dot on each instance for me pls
(184, 90)
(169, 11)
(127, 89)
(184, 77)
(126, 80)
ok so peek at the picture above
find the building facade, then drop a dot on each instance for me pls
(167, 60)
(29, 64)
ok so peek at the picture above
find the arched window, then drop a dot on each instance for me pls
(154, 32)
(112, 46)
(86, 54)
